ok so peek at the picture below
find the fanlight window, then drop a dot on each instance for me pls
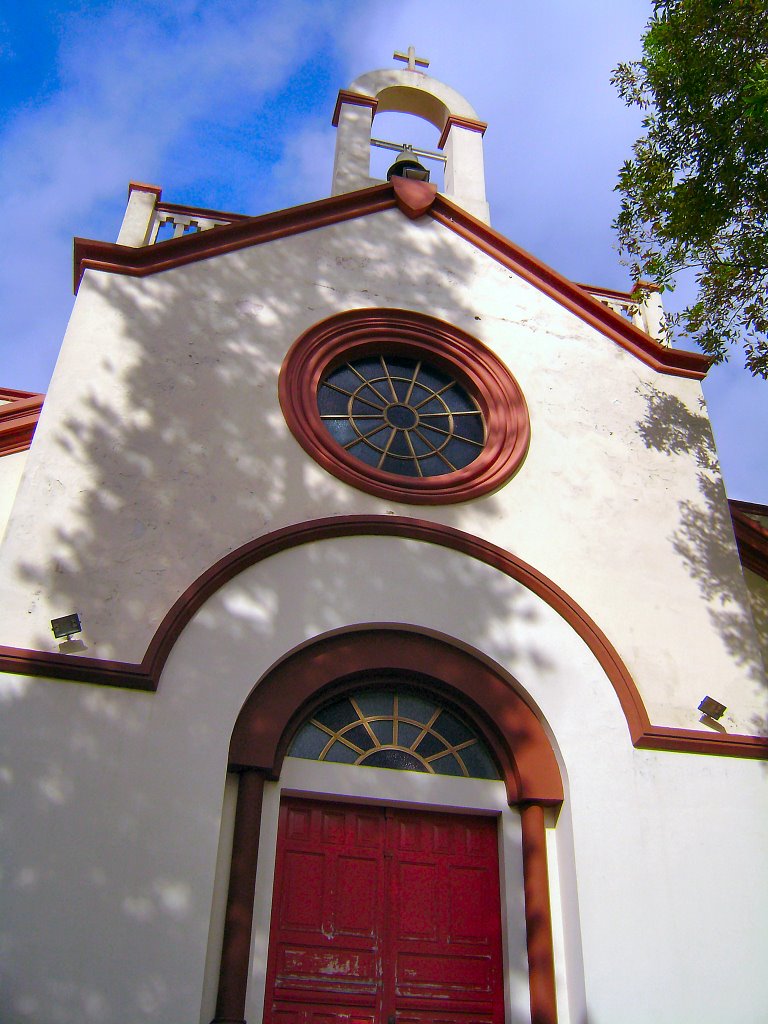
(394, 729)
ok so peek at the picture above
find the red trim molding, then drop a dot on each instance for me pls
(199, 245)
(676, 362)
(751, 536)
(200, 211)
(413, 198)
(355, 99)
(238, 920)
(295, 687)
(538, 917)
(293, 690)
(140, 186)
(461, 122)
(176, 252)
(359, 332)
(146, 674)
(18, 420)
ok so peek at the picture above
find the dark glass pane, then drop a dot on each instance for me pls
(403, 467)
(337, 715)
(430, 745)
(406, 734)
(360, 737)
(459, 453)
(367, 400)
(330, 401)
(368, 367)
(457, 399)
(420, 446)
(432, 436)
(383, 731)
(442, 422)
(478, 762)
(308, 742)
(433, 466)
(363, 451)
(400, 445)
(402, 387)
(399, 366)
(340, 430)
(411, 706)
(432, 378)
(452, 729)
(470, 427)
(394, 759)
(343, 377)
(375, 702)
(430, 408)
(341, 754)
(447, 765)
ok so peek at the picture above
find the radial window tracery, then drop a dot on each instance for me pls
(401, 415)
(394, 729)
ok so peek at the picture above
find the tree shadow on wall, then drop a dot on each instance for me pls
(704, 538)
(174, 432)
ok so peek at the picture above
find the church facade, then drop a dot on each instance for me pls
(415, 668)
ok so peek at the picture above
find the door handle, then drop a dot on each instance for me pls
(391, 1020)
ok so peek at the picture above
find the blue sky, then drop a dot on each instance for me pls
(228, 104)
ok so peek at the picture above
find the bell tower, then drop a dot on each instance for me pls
(411, 91)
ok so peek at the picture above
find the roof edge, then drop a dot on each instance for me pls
(110, 257)
(751, 538)
(18, 420)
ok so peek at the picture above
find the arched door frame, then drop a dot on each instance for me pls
(290, 692)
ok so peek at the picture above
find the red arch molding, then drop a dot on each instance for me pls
(384, 331)
(146, 674)
(291, 691)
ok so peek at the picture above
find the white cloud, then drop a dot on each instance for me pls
(134, 85)
(181, 94)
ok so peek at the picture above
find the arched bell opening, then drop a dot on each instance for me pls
(405, 130)
(417, 99)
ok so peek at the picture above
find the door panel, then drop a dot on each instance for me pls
(382, 913)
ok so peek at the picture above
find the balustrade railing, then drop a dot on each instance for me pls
(646, 313)
(168, 220)
(173, 222)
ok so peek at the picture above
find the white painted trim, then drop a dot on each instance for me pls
(405, 789)
(219, 900)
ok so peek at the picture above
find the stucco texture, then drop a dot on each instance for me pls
(170, 450)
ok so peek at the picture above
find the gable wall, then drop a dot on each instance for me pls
(162, 446)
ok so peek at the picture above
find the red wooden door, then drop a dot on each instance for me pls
(384, 916)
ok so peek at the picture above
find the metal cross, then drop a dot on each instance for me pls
(411, 59)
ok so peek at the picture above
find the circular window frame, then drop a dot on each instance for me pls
(363, 332)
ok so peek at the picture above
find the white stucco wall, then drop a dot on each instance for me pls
(112, 804)
(11, 468)
(172, 450)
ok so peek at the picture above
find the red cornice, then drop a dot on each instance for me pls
(355, 99)
(176, 252)
(751, 537)
(201, 211)
(11, 394)
(145, 676)
(140, 186)
(676, 362)
(200, 245)
(461, 122)
(18, 419)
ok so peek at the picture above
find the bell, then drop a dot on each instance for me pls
(407, 166)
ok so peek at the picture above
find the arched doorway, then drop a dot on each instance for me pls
(318, 675)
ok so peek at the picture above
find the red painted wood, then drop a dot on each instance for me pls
(380, 914)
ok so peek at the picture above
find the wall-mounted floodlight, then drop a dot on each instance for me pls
(66, 626)
(712, 708)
